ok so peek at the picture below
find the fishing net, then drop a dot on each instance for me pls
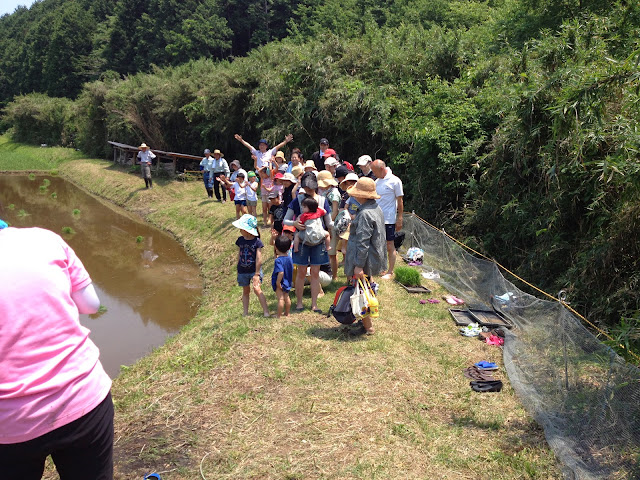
(585, 396)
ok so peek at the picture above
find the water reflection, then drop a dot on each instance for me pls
(144, 278)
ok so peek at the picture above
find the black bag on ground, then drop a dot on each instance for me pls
(341, 308)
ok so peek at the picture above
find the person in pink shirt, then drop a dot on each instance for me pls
(54, 394)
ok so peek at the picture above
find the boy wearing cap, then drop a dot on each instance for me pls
(146, 157)
(252, 195)
(263, 154)
(319, 156)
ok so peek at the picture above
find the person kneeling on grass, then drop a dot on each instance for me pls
(282, 277)
(250, 262)
(314, 231)
(366, 248)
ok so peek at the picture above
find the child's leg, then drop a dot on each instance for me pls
(327, 241)
(263, 301)
(243, 209)
(238, 211)
(246, 291)
(265, 212)
(296, 242)
(280, 295)
(287, 303)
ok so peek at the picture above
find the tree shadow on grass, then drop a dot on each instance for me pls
(338, 333)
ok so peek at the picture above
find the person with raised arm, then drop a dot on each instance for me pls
(263, 154)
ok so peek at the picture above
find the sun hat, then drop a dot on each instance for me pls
(310, 164)
(365, 187)
(331, 162)
(341, 171)
(290, 176)
(280, 154)
(251, 173)
(297, 170)
(235, 162)
(206, 150)
(325, 179)
(363, 160)
(329, 152)
(309, 180)
(264, 140)
(248, 223)
(351, 177)
(324, 141)
(144, 145)
(217, 151)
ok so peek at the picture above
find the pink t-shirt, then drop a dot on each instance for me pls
(50, 374)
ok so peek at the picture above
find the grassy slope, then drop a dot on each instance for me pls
(234, 397)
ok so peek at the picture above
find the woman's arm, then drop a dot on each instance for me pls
(286, 140)
(86, 299)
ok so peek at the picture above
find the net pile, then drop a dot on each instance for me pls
(585, 396)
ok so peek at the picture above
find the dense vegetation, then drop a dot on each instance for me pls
(511, 122)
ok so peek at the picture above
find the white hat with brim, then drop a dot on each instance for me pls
(351, 177)
(363, 160)
(248, 223)
(144, 145)
(310, 164)
(365, 187)
(289, 176)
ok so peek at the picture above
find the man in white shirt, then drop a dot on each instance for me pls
(263, 154)
(389, 187)
(146, 157)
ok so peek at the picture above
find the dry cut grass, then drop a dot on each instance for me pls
(292, 398)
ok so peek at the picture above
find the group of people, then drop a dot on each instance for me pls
(315, 209)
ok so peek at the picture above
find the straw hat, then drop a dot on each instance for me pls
(298, 170)
(325, 179)
(280, 154)
(310, 164)
(216, 151)
(144, 145)
(248, 223)
(351, 177)
(364, 188)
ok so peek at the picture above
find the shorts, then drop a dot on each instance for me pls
(311, 255)
(252, 203)
(390, 230)
(244, 279)
(240, 202)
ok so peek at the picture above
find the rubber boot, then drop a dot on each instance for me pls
(150, 183)
(146, 183)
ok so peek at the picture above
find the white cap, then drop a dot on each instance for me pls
(363, 160)
(331, 161)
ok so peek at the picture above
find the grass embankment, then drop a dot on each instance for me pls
(234, 397)
(15, 156)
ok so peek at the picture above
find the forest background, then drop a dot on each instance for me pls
(513, 123)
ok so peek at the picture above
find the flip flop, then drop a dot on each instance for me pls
(474, 374)
(299, 309)
(152, 476)
(317, 310)
(450, 300)
(458, 301)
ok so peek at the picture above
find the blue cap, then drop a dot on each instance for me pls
(262, 140)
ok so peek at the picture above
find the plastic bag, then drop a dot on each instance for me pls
(372, 300)
(359, 305)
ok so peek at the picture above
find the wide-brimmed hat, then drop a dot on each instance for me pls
(248, 223)
(280, 154)
(309, 180)
(217, 151)
(235, 162)
(351, 177)
(297, 170)
(325, 179)
(143, 145)
(310, 164)
(363, 160)
(364, 188)
(289, 176)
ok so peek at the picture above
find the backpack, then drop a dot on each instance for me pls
(341, 308)
(314, 233)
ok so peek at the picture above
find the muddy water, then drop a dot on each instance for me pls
(149, 286)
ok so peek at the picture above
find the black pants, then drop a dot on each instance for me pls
(217, 186)
(81, 450)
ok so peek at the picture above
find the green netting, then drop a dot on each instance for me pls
(585, 396)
